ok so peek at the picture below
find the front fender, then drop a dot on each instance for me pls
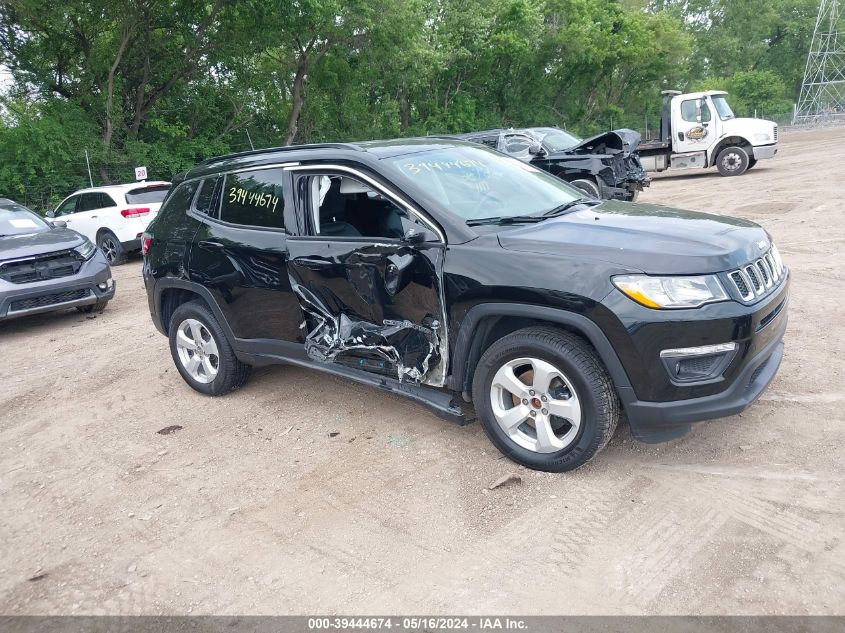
(467, 341)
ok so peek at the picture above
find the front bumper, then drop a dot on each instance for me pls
(764, 151)
(81, 289)
(654, 422)
(658, 407)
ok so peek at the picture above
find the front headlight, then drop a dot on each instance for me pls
(671, 292)
(763, 138)
(86, 250)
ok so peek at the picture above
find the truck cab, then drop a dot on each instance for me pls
(699, 130)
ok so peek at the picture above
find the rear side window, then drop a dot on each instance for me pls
(106, 201)
(180, 200)
(147, 195)
(254, 198)
(208, 199)
(89, 202)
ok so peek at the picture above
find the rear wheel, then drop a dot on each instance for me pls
(732, 161)
(544, 399)
(587, 186)
(112, 248)
(202, 352)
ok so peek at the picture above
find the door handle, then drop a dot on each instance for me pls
(93, 217)
(313, 264)
(211, 246)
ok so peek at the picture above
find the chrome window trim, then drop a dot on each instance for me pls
(400, 200)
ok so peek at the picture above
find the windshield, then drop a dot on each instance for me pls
(148, 195)
(475, 182)
(723, 108)
(556, 140)
(18, 220)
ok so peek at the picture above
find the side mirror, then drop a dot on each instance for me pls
(537, 150)
(50, 214)
(58, 224)
(414, 236)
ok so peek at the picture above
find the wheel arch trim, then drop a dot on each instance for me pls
(460, 379)
(169, 283)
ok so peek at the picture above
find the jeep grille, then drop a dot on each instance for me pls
(759, 278)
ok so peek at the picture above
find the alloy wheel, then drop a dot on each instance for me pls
(197, 350)
(536, 405)
(109, 249)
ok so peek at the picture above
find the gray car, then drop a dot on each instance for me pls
(45, 266)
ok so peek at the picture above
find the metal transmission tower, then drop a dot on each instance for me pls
(823, 91)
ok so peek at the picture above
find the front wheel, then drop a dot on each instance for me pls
(202, 352)
(544, 399)
(590, 187)
(732, 161)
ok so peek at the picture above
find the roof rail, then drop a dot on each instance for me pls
(286, 148)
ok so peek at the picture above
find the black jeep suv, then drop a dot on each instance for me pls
(445, 271)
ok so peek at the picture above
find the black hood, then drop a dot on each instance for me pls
(623, 140)
(17, 246)
(653, 239)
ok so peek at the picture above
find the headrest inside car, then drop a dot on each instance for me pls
(350, 186)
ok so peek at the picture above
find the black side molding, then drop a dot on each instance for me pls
(438, 401)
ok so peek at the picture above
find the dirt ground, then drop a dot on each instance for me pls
(303, 493)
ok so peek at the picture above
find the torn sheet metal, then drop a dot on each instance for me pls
(411, 349)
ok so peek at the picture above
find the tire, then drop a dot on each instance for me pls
(632, 196)
(732, 161)
(580, 386)
(112, 248)
(93, 308)
(587, 186)
(216, 370)
(751, 162)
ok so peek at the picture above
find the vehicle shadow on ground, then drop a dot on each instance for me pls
(703, 439)
(31, 323)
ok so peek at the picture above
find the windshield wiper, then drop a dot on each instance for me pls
(569, 206)
(498, 219)
(529, 219)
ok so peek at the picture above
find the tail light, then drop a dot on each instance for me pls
(134, 212)
(146, 240)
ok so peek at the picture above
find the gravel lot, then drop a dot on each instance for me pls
(302, 493)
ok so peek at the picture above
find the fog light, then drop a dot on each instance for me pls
(694, 364)
(105, 285)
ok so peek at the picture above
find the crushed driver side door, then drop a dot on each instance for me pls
(370, 303)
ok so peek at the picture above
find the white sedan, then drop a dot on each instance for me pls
(113, 217)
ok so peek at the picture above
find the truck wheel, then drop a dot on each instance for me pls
(544, 399)
(732, 161)
(202, 353)
(112, 248)
(587, 186)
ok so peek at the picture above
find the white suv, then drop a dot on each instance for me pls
(113, 217)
